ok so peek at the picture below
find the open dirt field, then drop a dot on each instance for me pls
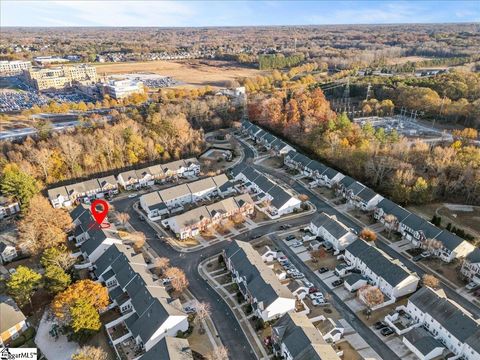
(192, 73)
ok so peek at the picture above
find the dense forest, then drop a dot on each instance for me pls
(453, 96)
(153, 132)
(408, 173)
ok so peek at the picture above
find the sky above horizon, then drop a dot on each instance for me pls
(232, 13)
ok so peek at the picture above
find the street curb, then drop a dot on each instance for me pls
(204, 276)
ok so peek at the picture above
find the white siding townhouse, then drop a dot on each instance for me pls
(297, 161)
(275, 200)
(146, 312)
(153, 205)
(366, 199)
(8, 207)
(192, 167)
(332, 231)
(331, 177)
(169, 348)
(93, 241)
(257, 282)
(7, 252)
(471, 265)
(176, 196)
(446, 321)
(12, 321)
(85, 191)
(158, 203)
(389, 275)
(415, 229)
(296, 338)
(192, 222)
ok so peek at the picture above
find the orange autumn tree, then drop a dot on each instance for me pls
(84, 290)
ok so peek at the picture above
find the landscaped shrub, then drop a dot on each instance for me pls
(247, 309)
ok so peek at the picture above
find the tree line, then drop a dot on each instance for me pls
(279, 61)
(405, 172)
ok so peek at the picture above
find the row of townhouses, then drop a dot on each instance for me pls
(294, 337)
(270, 299)
(417, 230)
(336, 233)
(192, 222)
(8, 207)
(145, 318)
(409, 225)
(173, 199)
(145, 312)
(85, 191)
(438, 327)
(378, 269)
(275, 200)
(263, 137)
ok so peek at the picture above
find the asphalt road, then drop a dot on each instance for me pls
(228, 329)
(323, 206)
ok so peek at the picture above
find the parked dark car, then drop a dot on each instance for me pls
(285, 226)
(417, 258)
(313, 290)
(387, 331)
(290, 237)
(380, 325)
(255, 236)
(337, 282)
(355, 271)
(322, 270)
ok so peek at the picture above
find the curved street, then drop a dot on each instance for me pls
(228, 329)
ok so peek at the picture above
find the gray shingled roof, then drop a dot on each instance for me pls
(78, 210)
(302, 159)
(353, 278)
(169, 348)
(237, 169)
(422, 340)
(264, 183)
(355, 187)
(330, 173)
(346, 181)
(367, 194)
(56, 192)
(449, 240)
(464, 328)
(10, 313)
(280, 196)
(331, 225)
(377, 261)
(474, 256)
(301, 338)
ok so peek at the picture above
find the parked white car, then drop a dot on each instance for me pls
(317, 302)
(317, 295)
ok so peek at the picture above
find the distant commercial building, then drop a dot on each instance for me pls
(14, 67)
(47, 60)
(119, 89)
(61, 77)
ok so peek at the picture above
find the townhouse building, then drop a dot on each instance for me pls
(366, 199)
(275, 201)
(92, 240)
(257, 282)
(161, 202)
(169, 348)
(296, 338)
(471, 265)
(12, 320)
(389, 275)
(85, 191)
(423, 345)
(8, 207)
(7, 252)
(332, 231)
(192, 222)
(147, 314)
(417, 230)
(446, 321)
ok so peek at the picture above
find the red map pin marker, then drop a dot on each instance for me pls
(101, 214)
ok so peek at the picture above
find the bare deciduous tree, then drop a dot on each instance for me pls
(430, 281)
(203, 312)
(371, 295)
(138, 239)
(123, 217)
(178, 279)
(161, 264)
(317, 254)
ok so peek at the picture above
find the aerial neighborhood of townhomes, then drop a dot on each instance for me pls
(198, 180)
